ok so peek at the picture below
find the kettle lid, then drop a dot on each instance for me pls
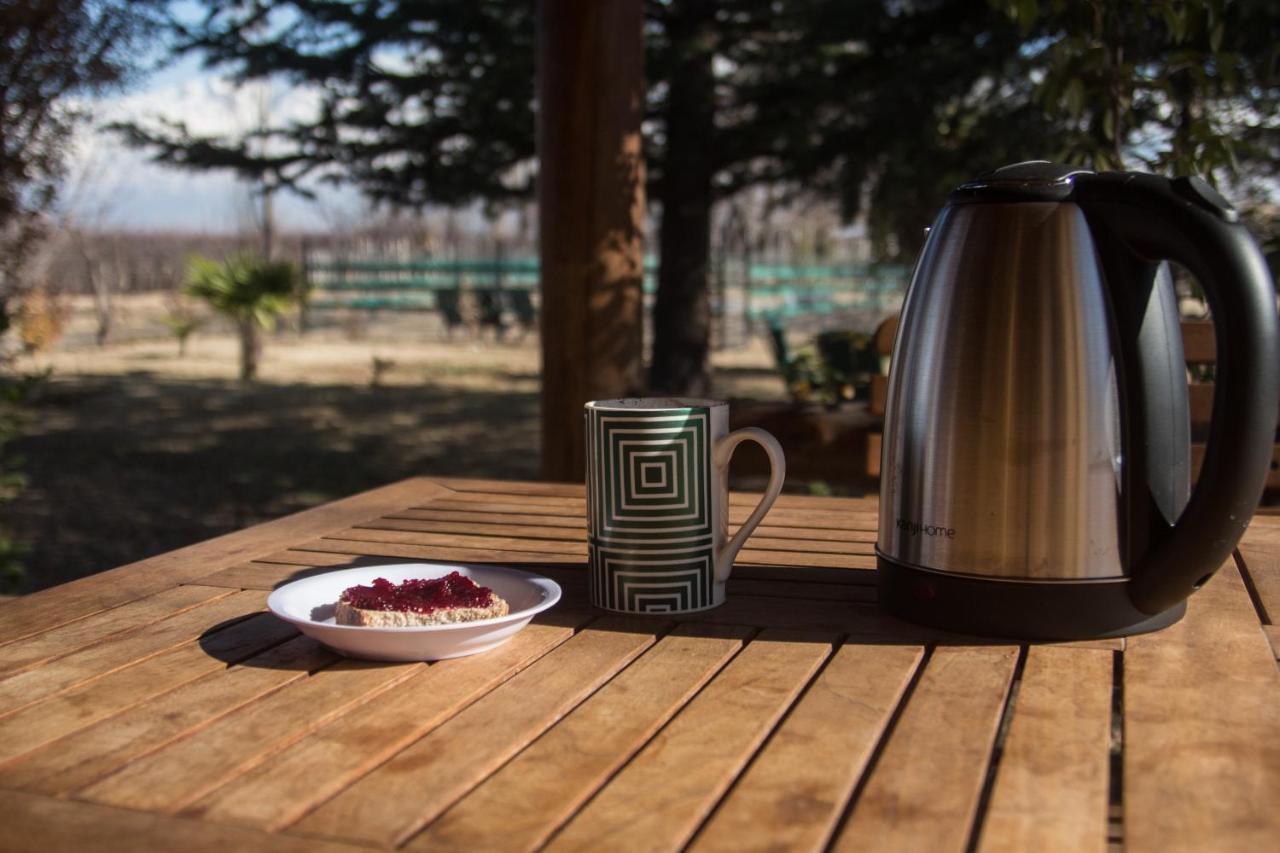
(1032, 180)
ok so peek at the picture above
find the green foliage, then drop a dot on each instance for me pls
(881, 105)
(249, 290)
(836, 368)
(1175, 86)
(15, 391)
(244, 287)
(819, 488)
(419, 102)
(182, 325)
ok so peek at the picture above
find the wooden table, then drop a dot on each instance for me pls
(156, 707)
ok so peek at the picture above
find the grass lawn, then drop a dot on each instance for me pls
(131, 451)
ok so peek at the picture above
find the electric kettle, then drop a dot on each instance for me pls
(1036, 453)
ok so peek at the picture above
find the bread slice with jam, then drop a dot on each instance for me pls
(447, 600)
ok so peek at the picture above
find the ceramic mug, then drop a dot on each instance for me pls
(658, 502)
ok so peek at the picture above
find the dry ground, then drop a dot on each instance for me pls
(132, 451)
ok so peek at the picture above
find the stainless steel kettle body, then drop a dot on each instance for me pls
(1036, 447)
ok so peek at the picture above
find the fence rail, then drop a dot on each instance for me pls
(751, 293)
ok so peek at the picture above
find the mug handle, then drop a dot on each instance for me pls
(777, 473)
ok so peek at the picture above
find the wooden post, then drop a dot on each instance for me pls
(590, 214)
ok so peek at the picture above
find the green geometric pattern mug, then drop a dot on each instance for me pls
(658, 502)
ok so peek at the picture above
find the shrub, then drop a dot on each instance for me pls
(250, 291)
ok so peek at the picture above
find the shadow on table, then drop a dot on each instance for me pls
(829, 606)
(261, 640)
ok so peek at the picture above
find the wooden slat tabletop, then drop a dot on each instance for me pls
(157, 706)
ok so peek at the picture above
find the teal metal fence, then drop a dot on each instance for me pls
(773, 294)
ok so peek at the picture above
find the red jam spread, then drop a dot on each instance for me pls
(420, 596)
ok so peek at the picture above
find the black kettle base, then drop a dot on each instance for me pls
(1022, 610)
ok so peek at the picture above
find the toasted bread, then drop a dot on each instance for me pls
(345, 614)
(446, 600)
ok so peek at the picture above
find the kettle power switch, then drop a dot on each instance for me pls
(1198, 191)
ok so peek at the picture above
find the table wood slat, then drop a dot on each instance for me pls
(859, 555)
(431, 512)
(266, 576)
(436, 553)
(1201, 751)
(31, 823)
(511, 505)
(575, 497)
(511, 487)
(816, 574)
(563, 547)
(794, 793)
(1260, 552)
(532, 532)
(576, 503)
(557, 555)
(751, 556)
(182, 772)
(1273, 636)
(57, 716)
(777, 517)
(799, 589)
(91, 753)
(661, 797)
(761, 540)
(576, 490)
(542, 788)
(923, 791)
(317, 767)
(1050, 791)
(458, 521)
(49, 608)
(400, 797)
(99, 627)
(31, 686)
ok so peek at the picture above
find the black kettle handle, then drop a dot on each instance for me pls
(1186, 221)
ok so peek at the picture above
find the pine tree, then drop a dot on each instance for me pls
(882, 105)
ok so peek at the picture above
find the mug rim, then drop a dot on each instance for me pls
(654, 404)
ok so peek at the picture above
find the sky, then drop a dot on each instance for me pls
(113, 186)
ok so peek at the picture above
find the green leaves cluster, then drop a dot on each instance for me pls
(881, 105)
(249, 290)
(15, 391)
(418, 101)
(835, 367)
(1175, 86)
(244, 287)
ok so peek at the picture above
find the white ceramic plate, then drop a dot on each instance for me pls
(309, 604)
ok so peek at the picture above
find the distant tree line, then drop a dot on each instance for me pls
(879, 105)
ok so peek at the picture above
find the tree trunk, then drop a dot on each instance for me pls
(102, 306)
(250, 349)
(682, 308)
(97, 273)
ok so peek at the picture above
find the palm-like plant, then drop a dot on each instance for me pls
(251, 291)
